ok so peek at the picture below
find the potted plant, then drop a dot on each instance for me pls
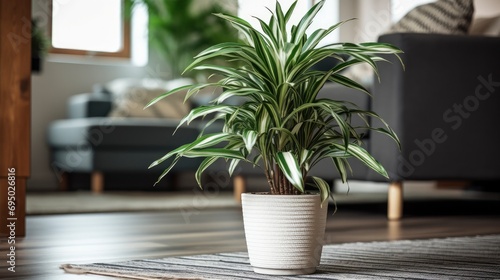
(282, 127)
(180, 29)
(39, 46)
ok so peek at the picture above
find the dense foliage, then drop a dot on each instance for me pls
(180, 29)
(282, 126)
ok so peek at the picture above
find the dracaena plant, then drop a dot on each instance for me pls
(281, 125)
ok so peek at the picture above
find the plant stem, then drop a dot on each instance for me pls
(279, 184)
(280, 180)
(270, 182)
(276, 180)
(285, 184)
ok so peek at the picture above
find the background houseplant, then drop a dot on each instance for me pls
(180, 29)
(40, 44)
(282, 127)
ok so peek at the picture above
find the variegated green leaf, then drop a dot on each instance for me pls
(365, 157)
(169, 155)
(213, 152)
(291, 169)
(249, 137)
(280, 110)
(340, 165)
(290, 11)
(165, 172)
(156, 99)
(343, 80)
(203, 166)
(232, 166)
(210, 140)
(305, 156)
(320, 34)
(205, 110)
(324, 188)
(305, 22)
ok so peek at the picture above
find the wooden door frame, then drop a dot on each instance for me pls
(15, 114)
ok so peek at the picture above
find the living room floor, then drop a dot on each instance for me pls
(105, 237)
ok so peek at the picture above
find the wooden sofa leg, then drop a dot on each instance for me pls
(97, 182)
(64, 182)
(395, 201)
(239, 186)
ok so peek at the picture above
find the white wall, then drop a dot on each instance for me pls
(373, 17)
(486, 8)
(60, 79)
(50, 91)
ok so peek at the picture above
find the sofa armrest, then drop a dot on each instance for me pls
(444, 107)
(87, 105)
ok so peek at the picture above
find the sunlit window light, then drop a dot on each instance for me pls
(93, 25)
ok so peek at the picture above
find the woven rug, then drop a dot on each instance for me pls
(449, 258)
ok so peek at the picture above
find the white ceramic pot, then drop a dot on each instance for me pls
(284, 233)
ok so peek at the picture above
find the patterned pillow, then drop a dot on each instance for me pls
(443, 16)
(131, 95)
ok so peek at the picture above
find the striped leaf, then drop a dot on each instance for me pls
(305, 22)
(365, 157)
(213, 152)
(341, 167)
(165, 172)
(343, 80)
(291, 169)
(205, 110)
(281, 21)
(279, 109)
(203, 166)
(290, 11)
(320, 34)
(156, 99)
(324, 188)
(249, 137)
(210, 140)
(232, 166)
(201, 142)
(169, 155)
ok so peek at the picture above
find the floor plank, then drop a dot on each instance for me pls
(82, 238)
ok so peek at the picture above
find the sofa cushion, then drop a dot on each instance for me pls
(117, 145)
(130, 96)
(119, 133)
(443, 16)
(85, 105)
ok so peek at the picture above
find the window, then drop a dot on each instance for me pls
(328, 16)
(90, 27)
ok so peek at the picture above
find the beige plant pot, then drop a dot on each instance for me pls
(284, 233)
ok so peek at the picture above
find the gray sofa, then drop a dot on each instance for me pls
(445, 107)
(90, 142)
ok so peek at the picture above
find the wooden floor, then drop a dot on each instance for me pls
(84, 238)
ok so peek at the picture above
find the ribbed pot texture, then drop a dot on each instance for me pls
(284, 233)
